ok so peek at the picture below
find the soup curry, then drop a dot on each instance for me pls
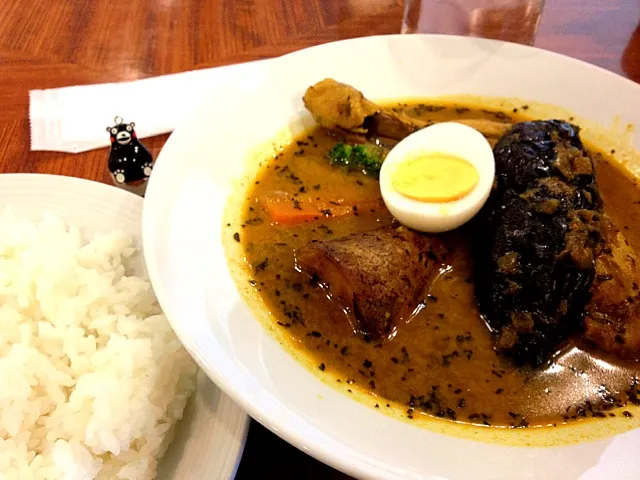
(439, 358)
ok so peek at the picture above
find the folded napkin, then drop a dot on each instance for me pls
(74, 119)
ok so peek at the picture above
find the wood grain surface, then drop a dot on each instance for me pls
(69, 42)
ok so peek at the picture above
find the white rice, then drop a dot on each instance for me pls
(92, 378)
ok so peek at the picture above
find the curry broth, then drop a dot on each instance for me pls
(440, 360)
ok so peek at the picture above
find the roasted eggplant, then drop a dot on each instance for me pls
(540, 236)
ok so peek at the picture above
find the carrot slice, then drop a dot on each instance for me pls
(288, 210)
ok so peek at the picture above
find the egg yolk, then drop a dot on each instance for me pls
(435, 177)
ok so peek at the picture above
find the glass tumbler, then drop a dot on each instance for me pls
(508, 20)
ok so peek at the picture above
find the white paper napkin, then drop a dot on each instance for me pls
(74, 119)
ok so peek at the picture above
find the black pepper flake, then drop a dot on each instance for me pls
(351, 381)
(499, 391)
(433, 298)
(377, 406)
(446, 359)
(236, 237)
(344, 351)
(525, 107)
(627, 414)
(262, 265)
(496, 373)
(404, 357)
(457, 391)
(326, 212)
(296, 204)
(367, 363)
(316, 334)
(316, 186)
(322, 367)
(328, 343)
(461, 403)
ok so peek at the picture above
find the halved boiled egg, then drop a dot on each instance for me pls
(438, 178)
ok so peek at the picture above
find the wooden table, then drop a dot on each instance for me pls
(66, 42)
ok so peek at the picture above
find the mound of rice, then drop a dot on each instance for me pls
(92, 378)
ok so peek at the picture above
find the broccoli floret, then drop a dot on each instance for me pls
(366, 158)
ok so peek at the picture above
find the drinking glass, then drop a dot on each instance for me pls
(508, 20)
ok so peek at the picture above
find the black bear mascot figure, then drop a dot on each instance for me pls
(130, 163)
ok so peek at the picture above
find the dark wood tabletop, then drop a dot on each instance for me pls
(72, 42)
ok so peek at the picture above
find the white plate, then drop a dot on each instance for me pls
(210, 438)
(182, 229)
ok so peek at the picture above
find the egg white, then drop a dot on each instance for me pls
(447, 138)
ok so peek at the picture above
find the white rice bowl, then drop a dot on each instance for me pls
(92, 378)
